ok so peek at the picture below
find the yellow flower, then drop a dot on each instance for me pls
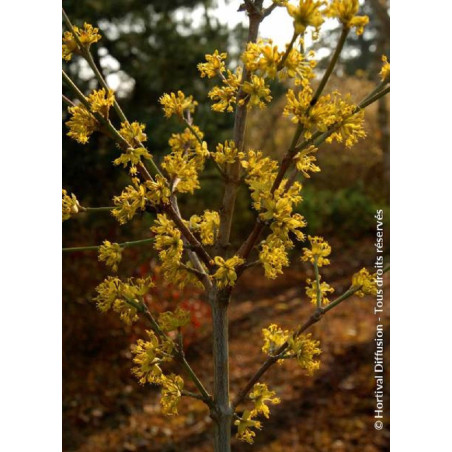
(261, 172)
(245, 424)
(306, 14)
(274, 337)
(149, 356)
(214, 65)
(207, 225)
(101, 101)
(262, 57)
(71, 206)
(172, 386)
(320, 116)
(350, 130)
(306, 163)
(260, 395)
(123, 297)
(111, 254)
(133, 133)
(384, 73)
(258, 92)
(132, 156)
(226, 96)
(319, 251)
(366, 283)
(81, 125)
(304, 349)
(226, 275)
(177, 105)
(168, 243)
(186, 160)
(311, 291)
(137, 196)
(87, 36)
(273, 257)
(226, 153)
(132, 198)
(296, 65)
(170, 321)
(345, 11)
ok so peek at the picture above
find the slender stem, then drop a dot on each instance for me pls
(331, 65)
(96, 247)
(223, 411)
(314, 318)
(317, 281)
(68, 101)
(98, 209)
(288, 50)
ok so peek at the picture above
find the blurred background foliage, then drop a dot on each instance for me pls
(152, 47)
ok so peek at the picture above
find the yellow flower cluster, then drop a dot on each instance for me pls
(244, 426)
(136, 196)
(306, 14)
(170, 321)
(149, 355)
(225, 96)
(260, 175)
(320, 116)
(275, 208)
(311, 291)
(329, 112)
(305, 163)
(111, 254)
(301, 347)
(273, 257)
(274, 337)
(133, 133)
(71, 206)
(101, 100)
(278, 208)
(345, 11)
(207, 225)
(87, 36)
(168, 243)
(172, 386)
(214, 65)
(319, 252)
(258, 92)
(226, 153)
(366, 282)
(123, 297)
(82, 124)
(133, 157)
(260, 395)
(262, 57)
(225, 275)
(304, 349)
(148, 358)
(177, 105)
(186, 159)
(385, 70)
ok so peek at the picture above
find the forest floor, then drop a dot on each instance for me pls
(105, 409)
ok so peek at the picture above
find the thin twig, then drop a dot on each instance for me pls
(96, 247)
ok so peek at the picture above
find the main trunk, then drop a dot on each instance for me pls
(223, 412)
